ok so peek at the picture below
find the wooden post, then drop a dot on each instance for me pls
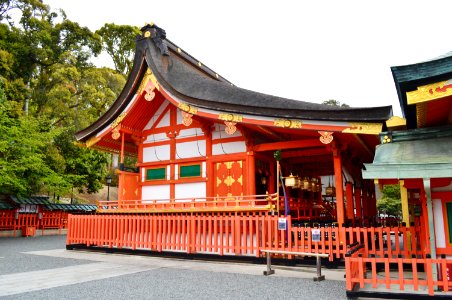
(122, 150)
(272, 180)
(251, 178)
(277, 186)
(359, 213)
(350, 206)
(431, 229)
(339, 186)
(405, 207)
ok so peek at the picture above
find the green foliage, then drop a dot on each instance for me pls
(333, 102)
(119, 42)
(23, 153)
(45, 65)
(390, 203)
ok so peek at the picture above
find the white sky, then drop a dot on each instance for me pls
(306, 50)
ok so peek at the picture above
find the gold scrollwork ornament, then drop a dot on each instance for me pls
(150, 95)
(115, 134)
(187, 121)
(326, 137)
(230, 127)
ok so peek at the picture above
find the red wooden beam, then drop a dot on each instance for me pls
(308, 143)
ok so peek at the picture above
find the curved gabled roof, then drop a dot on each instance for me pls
(190, 81)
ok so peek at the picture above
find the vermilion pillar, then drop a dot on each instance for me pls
(251, 162)
(359, 213)
(350, 206)
(339, 187)
(122, 149)
(365, 202)
(272, 179)
(373, 200)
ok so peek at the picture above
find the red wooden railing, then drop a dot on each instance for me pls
(200, 204)
(232, 233)
(309, 209)
(401, 273)
(27, 220)
(8, 220)
(51, 220)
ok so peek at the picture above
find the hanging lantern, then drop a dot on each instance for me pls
(291, 181)
(315, 184)
(330, 190)
(306, 186)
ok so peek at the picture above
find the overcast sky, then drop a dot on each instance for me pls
(305, 50)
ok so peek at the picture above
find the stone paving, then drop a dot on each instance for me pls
(41, 268)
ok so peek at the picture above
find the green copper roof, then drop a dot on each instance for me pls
(422, 158)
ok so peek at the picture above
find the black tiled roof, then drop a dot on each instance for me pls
(71, 207)
(193, 83)
(6, 205)
(194, 87)
(37, 200)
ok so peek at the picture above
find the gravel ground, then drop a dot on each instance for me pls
(13, 260)
(161, 283)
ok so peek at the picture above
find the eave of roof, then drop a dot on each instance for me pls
(409, 77)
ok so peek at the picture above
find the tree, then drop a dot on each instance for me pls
(45, 63)
(333, 102)
(119, 42)
(390, 203)
(24, 142)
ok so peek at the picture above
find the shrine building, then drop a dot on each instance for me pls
(199, 141)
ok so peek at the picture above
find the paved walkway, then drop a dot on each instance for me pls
(45, 270)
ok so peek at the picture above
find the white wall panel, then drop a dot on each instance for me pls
(156, 192)
(191, 149)
(228, 148)
(151, 154)
(440, 235)
(165, 121)
(156, 115)
(191, 132)
(191, 190)
(159, 137)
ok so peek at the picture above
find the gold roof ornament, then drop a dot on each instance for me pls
(230, 117)
(187, 108)
(396, 122)
(364, 128)
(286, 123)
(430, 92)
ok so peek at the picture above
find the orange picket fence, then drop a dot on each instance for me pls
(27, 220)
(8, 220)
(51, 220)
(266, 202)
(11, 220)
(233, 234)
(405, 274)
